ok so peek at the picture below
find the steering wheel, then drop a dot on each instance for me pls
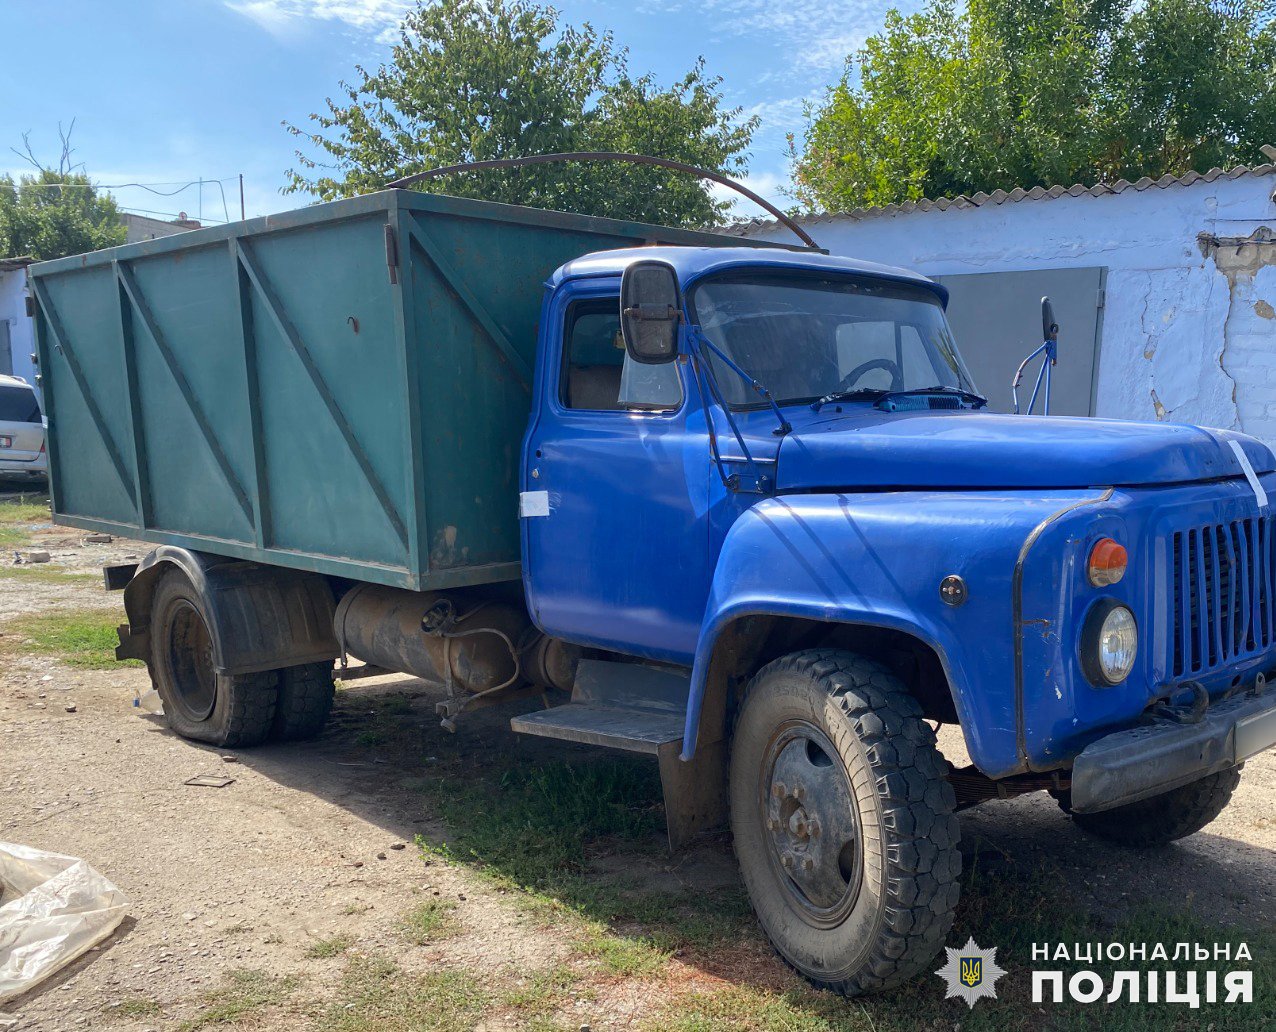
(851, 378)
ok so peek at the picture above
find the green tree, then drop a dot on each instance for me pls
(1004, 94)
(473, 80)
(56, 211)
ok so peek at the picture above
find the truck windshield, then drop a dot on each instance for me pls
(808, 335)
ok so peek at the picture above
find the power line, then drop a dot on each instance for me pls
(149, 188)
(144, 186)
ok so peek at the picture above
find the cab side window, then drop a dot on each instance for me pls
(597, 374)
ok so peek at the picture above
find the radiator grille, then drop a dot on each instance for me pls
(1220, 593)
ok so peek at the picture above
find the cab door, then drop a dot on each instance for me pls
(614, 488)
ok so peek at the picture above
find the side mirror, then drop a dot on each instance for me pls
(1049, 328)
(650, 311)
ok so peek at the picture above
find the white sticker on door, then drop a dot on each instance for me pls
(533, 503)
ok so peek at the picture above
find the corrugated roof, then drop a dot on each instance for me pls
(1036, 193)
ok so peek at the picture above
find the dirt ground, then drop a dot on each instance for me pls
(309, 858)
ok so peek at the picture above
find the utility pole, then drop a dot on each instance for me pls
(242, 216)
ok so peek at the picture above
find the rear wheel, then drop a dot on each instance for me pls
(843, 821)
(305, 700)
(1162, 819)
(200, 703)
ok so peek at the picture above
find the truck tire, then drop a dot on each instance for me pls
(1162, 819)
(305, 700)
(843, 822)
(200, 703)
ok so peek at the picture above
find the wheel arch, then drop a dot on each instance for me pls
(259, 617)
(741, 642)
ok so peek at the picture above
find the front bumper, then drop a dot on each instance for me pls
(1155, 758)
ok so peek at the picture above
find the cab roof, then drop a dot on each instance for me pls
(690, 263)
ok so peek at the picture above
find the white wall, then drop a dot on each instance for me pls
(21, 328)
(1189, 332)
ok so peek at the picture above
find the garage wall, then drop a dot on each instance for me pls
(1188, 329)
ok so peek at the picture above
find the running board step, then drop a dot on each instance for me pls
(617, 705)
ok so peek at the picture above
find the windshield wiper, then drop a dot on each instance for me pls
(970, 396)
(696, 337)
(857, 393)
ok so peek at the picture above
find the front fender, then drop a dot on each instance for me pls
(877, 559)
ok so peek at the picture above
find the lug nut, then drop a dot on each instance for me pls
(778, 790)
(807, 863)
(813, 827)
(786, 861)
(799, 793)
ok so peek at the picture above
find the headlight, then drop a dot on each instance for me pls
(1109, 643)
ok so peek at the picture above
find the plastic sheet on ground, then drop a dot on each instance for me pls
(54, 908)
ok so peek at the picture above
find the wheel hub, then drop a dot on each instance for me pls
(190, 658)
(812, 823)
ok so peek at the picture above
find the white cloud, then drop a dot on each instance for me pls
(764, 184)
(283, 17)
(818, 35)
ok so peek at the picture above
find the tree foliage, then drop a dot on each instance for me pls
(474, 80)
(56, 211)
(1003, 94)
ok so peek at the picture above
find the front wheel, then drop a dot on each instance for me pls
(843, 821)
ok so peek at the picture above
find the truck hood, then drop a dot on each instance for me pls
(990, 450)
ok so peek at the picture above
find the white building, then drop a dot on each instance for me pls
(1179, 321)
(17, 333)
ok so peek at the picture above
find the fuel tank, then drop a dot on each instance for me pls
(473, 645)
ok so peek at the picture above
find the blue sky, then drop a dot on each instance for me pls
(176, 90)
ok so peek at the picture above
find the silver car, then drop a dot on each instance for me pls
(22, 451)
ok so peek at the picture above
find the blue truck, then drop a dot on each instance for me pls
(738, 508)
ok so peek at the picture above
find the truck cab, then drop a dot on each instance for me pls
(738, 509)
(803, 502)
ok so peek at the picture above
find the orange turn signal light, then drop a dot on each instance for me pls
(1108, 561)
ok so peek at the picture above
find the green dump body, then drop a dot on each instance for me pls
(341, 389)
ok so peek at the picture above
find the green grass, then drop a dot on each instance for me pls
(375, 996)
(543, 992)
(17, 514)
(537, 828)
(80, 638)
(623, 955)
(138, 1008)
(242, 994)
(431, 921)
(47, 574)
(333, 946)
(534, 824)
